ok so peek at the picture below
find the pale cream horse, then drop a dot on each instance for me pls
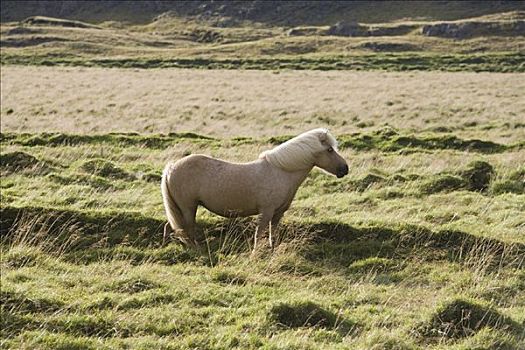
(265, 186)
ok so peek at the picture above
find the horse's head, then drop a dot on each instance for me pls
(316, 147)
(328, 158)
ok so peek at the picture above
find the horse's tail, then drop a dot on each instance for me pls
(173, 212)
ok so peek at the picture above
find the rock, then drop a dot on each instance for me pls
(347, 29)
(305, 31)
(49, 21)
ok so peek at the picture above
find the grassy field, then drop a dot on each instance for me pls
(225, 103)
(421, 246)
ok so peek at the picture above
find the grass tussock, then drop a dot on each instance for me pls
(304, 314)
(462, 318)
(475, 177)
(19, 161)
(103, 168)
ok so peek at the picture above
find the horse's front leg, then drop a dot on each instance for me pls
(262, 227)
(273, 225)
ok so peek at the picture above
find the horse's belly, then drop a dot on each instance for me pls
(230, 210)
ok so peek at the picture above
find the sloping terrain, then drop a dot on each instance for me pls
(271, 13)
(488, 43)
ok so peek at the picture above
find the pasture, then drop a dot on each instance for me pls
(421, 246)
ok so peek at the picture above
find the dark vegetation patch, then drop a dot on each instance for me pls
(19, 161)
(30, 41)
(116, 139)
(229, 278)
(21, 30)
(104, 168)
(342, 245)
(305, 314)
(478, 175)
(475, 177)
(390, 140)
(442, 183)
(134, 285)
(205, 36)
(367, 181)
(387, 140)
(461, 318)
(101, 303)
(508, 186)
(354, 29)
(150, 176)
(20, 303)
(14, 308)
(17, 258)
(486, 62)
(13, 323)
(514, 183)
(373, 265)
(82, 179)
(88, 325)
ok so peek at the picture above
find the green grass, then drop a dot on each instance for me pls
(388, 257)
(386, 139)
(487, 62)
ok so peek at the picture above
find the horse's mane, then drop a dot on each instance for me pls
(299, 153)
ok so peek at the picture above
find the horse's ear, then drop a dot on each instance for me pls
(323, 136)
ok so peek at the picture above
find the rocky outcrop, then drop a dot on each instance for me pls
(465, 30)
(353, 29)
(347, 29)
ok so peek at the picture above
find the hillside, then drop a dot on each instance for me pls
(227, 13)
(491, 43)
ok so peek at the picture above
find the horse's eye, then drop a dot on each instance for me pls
(330, 149)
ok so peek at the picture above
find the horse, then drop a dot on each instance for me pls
(265, 186)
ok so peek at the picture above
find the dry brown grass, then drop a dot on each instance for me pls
(259, 103)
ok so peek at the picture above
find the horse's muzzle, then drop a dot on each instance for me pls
(342, 171)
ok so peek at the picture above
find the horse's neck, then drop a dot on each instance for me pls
(297, 177)
(294, 178)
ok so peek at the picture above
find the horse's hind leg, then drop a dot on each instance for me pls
(188, 214)
(262, 227)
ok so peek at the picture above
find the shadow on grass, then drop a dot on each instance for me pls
(91, 236)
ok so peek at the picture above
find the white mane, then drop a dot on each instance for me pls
(299, 152)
